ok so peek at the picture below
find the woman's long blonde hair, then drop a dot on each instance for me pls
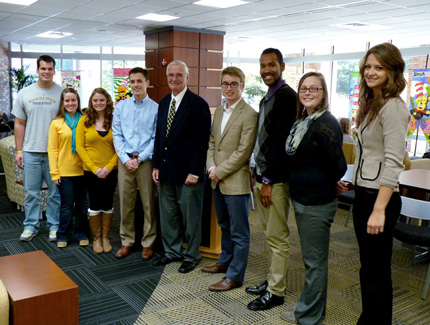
(390, 58)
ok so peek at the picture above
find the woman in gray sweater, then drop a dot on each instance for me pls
(382, 121)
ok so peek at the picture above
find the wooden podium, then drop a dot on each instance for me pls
(39, 291)
(211, 233)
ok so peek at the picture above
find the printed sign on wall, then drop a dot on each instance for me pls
(354, 85)
(71, 79)
(419, 105)
(121, 85)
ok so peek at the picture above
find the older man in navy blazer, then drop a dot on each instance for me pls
(179, 159)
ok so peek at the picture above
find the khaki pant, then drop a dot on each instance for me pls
(274, 221)
(128, 183)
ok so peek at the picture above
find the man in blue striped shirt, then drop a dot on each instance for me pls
(133, 126)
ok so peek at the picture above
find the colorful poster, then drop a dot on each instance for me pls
(121, 85)
(354, 85)
(71, 79)
(419, 105)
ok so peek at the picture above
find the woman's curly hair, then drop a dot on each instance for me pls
(390, 58)
(91, 113)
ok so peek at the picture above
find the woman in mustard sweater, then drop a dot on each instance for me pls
(66, 170)
(94, 144)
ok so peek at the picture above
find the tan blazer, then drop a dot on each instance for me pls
(230, 151)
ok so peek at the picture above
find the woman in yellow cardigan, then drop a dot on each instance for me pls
(66, 170)
(94, 144)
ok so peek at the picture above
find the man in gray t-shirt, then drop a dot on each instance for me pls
(34, 109)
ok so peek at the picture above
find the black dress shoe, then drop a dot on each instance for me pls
(266, 301)
(258, 289)
(187, 266)
(163, 260)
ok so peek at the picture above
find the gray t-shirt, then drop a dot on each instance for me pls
(38, 106)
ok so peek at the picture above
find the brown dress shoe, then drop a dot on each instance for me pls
(217, 268)
(147, 253)
(225, 285)
(123, 252)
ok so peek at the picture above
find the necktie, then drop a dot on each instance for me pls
(171, 116)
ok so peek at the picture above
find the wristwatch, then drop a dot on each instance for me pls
(266, 181)
(139, 161)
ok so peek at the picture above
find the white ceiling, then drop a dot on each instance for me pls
(261, 23)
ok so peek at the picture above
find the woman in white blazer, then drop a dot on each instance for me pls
(382, 121)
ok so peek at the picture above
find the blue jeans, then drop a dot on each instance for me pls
(73, 193)
(36, 169)
(232, 213)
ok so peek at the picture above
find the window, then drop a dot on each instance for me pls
(46, 49)
(292, 75)
(344, 93)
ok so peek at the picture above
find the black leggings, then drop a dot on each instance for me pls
(375, 257)
(101, 191)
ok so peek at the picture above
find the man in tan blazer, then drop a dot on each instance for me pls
(231, 143)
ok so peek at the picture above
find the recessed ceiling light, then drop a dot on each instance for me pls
(54, 34)
(220, 3)
(241, 37)
(157, 17)
(19, 2)
(364, 27)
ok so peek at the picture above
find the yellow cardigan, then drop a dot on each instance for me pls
(95, 151)
(62, 163)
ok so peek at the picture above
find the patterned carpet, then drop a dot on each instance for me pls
(132, 291)
(185, 299)
(111, 291)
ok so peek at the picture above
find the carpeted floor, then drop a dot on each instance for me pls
(132, 291)
(184, 299)
(111, 291)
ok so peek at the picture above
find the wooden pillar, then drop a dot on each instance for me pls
(202, 51)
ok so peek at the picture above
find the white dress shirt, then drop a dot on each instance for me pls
(178, 99)
(227, 113)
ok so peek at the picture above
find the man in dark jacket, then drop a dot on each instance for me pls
(277, 115)
(180, 148)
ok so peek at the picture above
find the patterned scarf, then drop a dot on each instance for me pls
(72, 123)
(298, 131)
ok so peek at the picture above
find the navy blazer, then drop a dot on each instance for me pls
(184, 151)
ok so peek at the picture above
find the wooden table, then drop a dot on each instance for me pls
(39, 291)
(417, 179)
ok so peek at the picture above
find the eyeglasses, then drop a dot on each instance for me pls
(232, 85)
(178, 75)
(311, 90)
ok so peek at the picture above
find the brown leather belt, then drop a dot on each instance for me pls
(132, 156)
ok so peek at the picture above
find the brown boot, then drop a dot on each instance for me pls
(106, 223)
(96, 229)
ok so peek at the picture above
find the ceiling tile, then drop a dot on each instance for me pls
(46, 8)
(293, 21)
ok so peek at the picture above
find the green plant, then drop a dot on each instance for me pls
(19, 78)
(344, 70)
(254, 86)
